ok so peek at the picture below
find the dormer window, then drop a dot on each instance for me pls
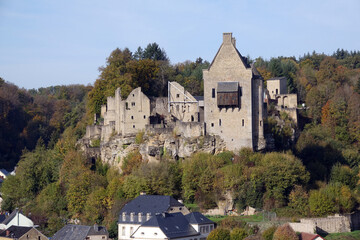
(139, 217)
(148, 216)
(132, 217)
(124, 217)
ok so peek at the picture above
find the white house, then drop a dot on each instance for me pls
(161, 217)
(16, 218)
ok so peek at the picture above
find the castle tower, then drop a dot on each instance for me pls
(233, 97)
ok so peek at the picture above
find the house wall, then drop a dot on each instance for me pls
(109, 115)
(98, 237)
(189, 129)
(228, 67)
(149, 233)
(287, 100)
(33, 234)
(180, 106)
(203, 229)
(127, 227)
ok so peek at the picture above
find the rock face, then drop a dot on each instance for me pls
(153, 147)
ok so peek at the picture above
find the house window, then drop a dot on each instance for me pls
(177, 95)
(212, 124)
(131, 230)
(127, 106)
(192, 118)
(133, 95)
(148, 215)
(123, 231)
(213, 93)
(276, 91)
(132, 217)
(133, 126)
(133, 104)
(243, 122)
(142, 233)
(132, 117)
(260, 123)
(207, 229)
(123, 217)
(144, 117)
(139, 217)
(219, 122)
(211, 228)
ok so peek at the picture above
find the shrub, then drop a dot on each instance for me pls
(268, 234)
(285, 232)
(219, 234)
(238, 234)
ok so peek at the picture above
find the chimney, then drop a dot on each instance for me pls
(233, 40)
(227, 38)
(96, 227)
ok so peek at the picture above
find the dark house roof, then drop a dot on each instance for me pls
(227, 86)
(76, 232)
(4, 171)
(173, 225)
(15, 231)
(197, 218)
(2, 217)
(144, 204)
(199, 98)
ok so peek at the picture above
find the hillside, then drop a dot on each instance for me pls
(314, 174)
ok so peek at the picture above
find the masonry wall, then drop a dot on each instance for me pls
(234, 125)
(136, 113)
(279, 84)
(183, 105)
(189, 129)
(331, 224)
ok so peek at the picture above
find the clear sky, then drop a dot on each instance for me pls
(49, 42)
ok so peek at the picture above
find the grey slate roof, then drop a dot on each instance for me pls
(173, 225)
(197, 218)
(144, 204)
(227, 86)
(77, 232)
(15, 231)
(199, 98)
(4, 171)
(2, 217)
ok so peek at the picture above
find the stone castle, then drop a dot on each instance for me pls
(232, 109)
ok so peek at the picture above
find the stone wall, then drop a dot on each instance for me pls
(93, 131)
(308, 227)
(276, 86)
(330, 224)
(189, 129)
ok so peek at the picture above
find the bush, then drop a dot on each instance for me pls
(268, 234)
(285, 232)
(238, 234)
(219, 234)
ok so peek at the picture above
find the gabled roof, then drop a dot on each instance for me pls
(15, 231)
(227, 86)
(173, 225)
(2, 217)
(309, 236)
(4, 171)
(197, 218)
(75, 232)
(11, 216)
(144, 204)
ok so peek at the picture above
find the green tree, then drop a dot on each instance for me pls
(154, 52)
(268, 234)
(238, 234)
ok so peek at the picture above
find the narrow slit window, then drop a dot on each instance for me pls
(243, 122)
(219, 122)
(213, 93)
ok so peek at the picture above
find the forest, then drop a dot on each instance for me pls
(315, 174)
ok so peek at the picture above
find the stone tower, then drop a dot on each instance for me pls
(233, 98)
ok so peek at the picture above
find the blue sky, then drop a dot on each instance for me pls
(46, 42)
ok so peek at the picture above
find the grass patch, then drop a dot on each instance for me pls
(251, 218)
(346, 236)
(193, 207)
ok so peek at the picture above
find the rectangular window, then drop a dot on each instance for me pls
(133, 104)
(212, 124)
(219, 122)
(131, 230)
(177, 95)
(213, 93)
(123, 231)
(243, 122)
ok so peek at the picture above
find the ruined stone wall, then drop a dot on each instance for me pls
(234, 125)
(331, 224)
(276, 86)
(287, 100)
(107, 131)
(110, 115)
(136, 113)
(183, 105)
(189, 129)
(93, 131)
(308, 227)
